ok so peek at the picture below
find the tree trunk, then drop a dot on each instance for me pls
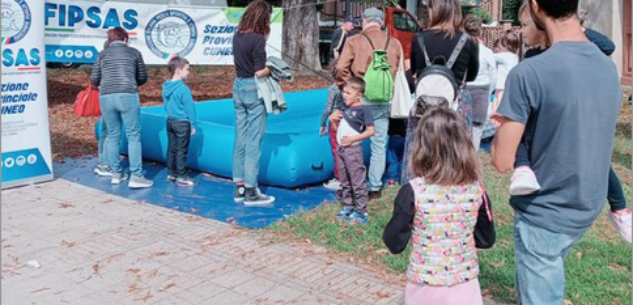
(301, 35)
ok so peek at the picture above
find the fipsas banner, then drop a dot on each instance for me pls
(26, 145)
(76, 31)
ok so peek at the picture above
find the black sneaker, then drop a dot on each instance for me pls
(171, 178)
(239, 194)
(255, 197)
(186, 181)
(373, 195)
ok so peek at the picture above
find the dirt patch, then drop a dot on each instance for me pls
(73, 136)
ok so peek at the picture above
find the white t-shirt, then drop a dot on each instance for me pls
(487, 74)
(505, 62)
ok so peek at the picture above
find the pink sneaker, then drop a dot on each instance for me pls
(621, 220)
(523, 182)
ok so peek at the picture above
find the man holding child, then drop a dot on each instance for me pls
(568, 98)
(354, 61)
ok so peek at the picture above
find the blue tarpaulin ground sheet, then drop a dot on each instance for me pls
(211, 198)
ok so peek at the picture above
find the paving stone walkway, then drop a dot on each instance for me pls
(63, 243)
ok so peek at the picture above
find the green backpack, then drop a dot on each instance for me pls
(378, 78)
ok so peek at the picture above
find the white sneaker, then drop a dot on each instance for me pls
(186, 181)
(103, 171)
(523, 182)
(137, 182)
(333, 184)
(622, 222)
(118, 177)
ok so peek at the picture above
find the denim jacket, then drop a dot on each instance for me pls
(268, 88)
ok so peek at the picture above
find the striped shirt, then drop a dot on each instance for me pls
(119, 69)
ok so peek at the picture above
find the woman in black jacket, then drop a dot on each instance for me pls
(440, 39)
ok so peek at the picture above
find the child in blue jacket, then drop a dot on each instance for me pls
(181, 120)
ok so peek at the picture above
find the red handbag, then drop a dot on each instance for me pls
(87, 103)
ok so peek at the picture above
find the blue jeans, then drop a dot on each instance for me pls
(250, 125)
(378, 159)
(395, 154)
(540, 258)
(102, 159)
(126, 108)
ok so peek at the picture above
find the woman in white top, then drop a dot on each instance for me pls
(484, 85)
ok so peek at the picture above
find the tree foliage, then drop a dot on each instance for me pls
(511, 10)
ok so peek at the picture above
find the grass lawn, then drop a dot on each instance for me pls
(598, 270)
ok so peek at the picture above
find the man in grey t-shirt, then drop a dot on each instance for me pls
(567, 100)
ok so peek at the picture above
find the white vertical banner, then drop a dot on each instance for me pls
(26, 144)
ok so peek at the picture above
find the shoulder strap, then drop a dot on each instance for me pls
(387, 44)
(464, 80)
(371, 43)
(426, 55)
(340, 40)
(457, 50)
(485, 198)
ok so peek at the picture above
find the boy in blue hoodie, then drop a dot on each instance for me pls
(181, 120)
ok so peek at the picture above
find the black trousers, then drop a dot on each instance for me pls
(178, 133)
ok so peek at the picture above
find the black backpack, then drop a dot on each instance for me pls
(436, 84)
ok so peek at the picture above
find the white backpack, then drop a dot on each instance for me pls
(436, 84)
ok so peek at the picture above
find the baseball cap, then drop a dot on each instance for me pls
(351, 19)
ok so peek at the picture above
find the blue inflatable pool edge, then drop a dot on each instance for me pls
(293, 153)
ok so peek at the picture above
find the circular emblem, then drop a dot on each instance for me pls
(32, 158)
(16, 20)
(9, 162)
(171, 32)
(20, 160)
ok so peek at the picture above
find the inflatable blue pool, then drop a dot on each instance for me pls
(293, 153)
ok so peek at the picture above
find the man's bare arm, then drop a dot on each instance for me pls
(505, 144)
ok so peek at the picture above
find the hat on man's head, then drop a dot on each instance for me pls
(351, 19)
(373, 14)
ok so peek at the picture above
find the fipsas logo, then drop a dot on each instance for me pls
(171, 32)
(21, 58)
(16, 20)
(70, 15)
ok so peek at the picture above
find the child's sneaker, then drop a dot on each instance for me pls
(344, 213)
(333, 184)
(171, 178)
(103, 171)
(356, 217)
(523, 182)
(621, 220)
(186, 181)
(391, 183)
